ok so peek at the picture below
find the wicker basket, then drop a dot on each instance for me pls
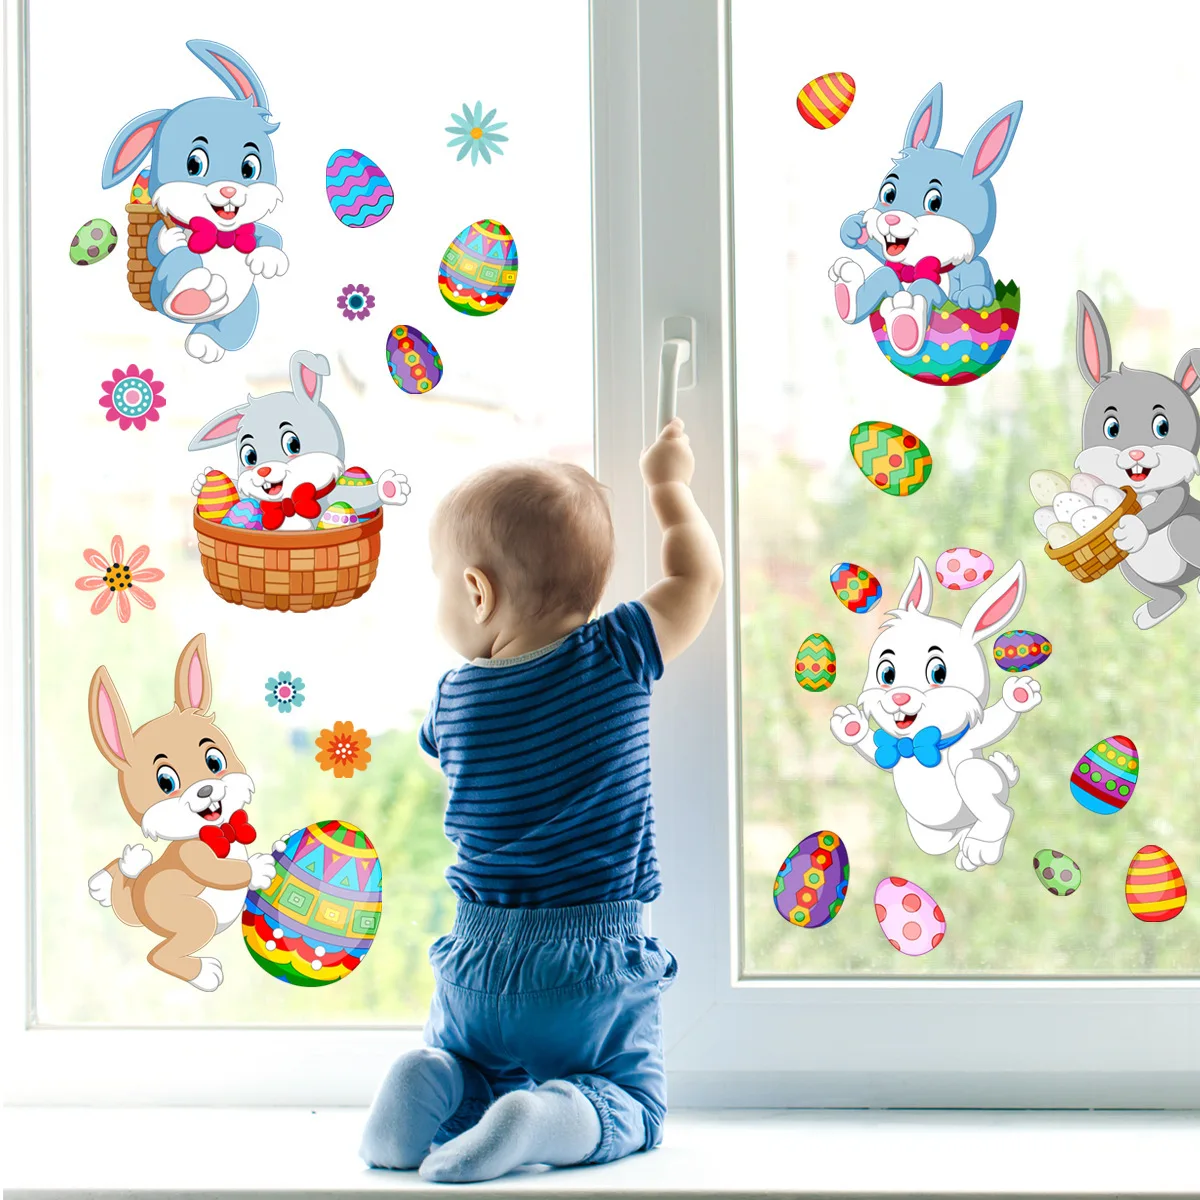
(291, 572)
(1089, 557)
(142, 219)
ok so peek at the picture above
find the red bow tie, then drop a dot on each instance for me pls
(218, 838)
(205, 235)
(927, 268)
(301, 503)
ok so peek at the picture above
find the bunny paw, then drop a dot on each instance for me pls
(280, 846)
(262, 870)
(975, 296)
(847, 277)
(975, 853)
(200, 480)
(210, 976)
(201, 346)
(1131, 534)
(267, 261)
(1021, 694)
(849, 725)
(906, 317)
(174, 238)
(393, 488)
(198, 296)
(134, 860)
(100, 888)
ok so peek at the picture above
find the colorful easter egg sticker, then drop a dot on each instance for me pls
(354, 477)
(359, 192)
(245, 514)
(93, 242)
(816, 663)
(478, 271)
(1154, 886)
(855, 587)
(1021, 650)
(413, 360)
(140, 192)
(961, 344)
(1057, 873)
(824, 101)
(317, 919)
(339, 515)
(910, 918)
(811, 885)
(963, 568)
(218, 495)
(896, 461)
(1104, 777)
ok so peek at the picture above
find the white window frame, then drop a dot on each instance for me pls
(662, 203)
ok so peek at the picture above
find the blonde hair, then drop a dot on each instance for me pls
(542, 531)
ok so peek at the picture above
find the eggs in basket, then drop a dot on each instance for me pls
(1078, 517)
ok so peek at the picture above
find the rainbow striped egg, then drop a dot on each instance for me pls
(478, 272)
(217, 496)
(359, 193)
(824, 101)
(1104, 778)
(1154, 886)
(816, 663)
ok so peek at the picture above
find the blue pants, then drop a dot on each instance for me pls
(522, 996)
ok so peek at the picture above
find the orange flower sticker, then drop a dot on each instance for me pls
(343, 749)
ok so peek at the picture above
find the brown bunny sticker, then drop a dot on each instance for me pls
(183, 783)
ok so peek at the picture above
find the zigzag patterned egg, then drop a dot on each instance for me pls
(413, 360)
(1021, 650)
(961, 344)
(1154, 886)
(359, 193)
(478, 272)
(1105, 776)
(896, 461)
(855, 587)
(816, 663)
(811, 885)
(824, 101)
(318, 918)
(245, 514)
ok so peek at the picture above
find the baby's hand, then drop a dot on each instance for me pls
(670, 459)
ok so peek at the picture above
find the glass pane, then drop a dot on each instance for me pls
(516, 384)
(1071, 211)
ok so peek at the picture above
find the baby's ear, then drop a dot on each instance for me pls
(997, 606)
(110, 725)
(918, 596)
(1187, 374)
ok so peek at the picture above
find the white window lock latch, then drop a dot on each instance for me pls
(676, 365)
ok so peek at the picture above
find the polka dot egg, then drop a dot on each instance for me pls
(339, 515)
(911, 920)
(93, 242)
(963, 568)
(1058, 874)
(1104, 777)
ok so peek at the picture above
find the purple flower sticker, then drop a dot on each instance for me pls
(356, 301)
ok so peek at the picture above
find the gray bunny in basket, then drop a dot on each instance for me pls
(291, 454)
(1142, 430)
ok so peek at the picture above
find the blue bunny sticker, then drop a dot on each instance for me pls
(199, 248)
(932, 217)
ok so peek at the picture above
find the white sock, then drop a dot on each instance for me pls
(422, 1089)
(556, 1125)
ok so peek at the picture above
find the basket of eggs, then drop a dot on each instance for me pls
(1079, 518)
(289, 571)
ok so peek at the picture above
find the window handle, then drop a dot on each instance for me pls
(676, 371)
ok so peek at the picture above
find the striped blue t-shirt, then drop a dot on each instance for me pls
(547, 757)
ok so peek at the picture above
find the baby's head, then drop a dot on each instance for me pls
(520, 545)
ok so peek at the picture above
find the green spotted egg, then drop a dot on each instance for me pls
(93, 241)
(1059, 874)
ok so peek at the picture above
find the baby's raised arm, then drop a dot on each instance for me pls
(682, 601)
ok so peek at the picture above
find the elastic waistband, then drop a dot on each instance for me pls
(615, 918)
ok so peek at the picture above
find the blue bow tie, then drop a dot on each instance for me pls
(926, 747)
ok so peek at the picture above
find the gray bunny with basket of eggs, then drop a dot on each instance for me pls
(1130, 503)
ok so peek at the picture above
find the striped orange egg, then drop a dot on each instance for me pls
(824, 101)
(217, 496)
(1154, 887)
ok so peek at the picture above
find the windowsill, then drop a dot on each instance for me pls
(270, 1151)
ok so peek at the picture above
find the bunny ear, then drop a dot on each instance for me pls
(130, 147)
(220, 429)
(1092, 350)
(987, 150)
(307, 371)
(1186, 374)
(998, 605)
(193, 684)
(926, 122)
(110, 725)
(232, 70)
(919, 593)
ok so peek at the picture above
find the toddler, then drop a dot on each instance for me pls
(544, 1039)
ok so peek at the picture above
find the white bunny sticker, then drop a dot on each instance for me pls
(927, 689)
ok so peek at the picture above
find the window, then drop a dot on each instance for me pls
(710, 199)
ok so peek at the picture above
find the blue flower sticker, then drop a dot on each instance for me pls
(476, 134)
(284, 692)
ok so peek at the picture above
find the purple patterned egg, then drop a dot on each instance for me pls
(1021, 650)
(811, 885)
(245, 514)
